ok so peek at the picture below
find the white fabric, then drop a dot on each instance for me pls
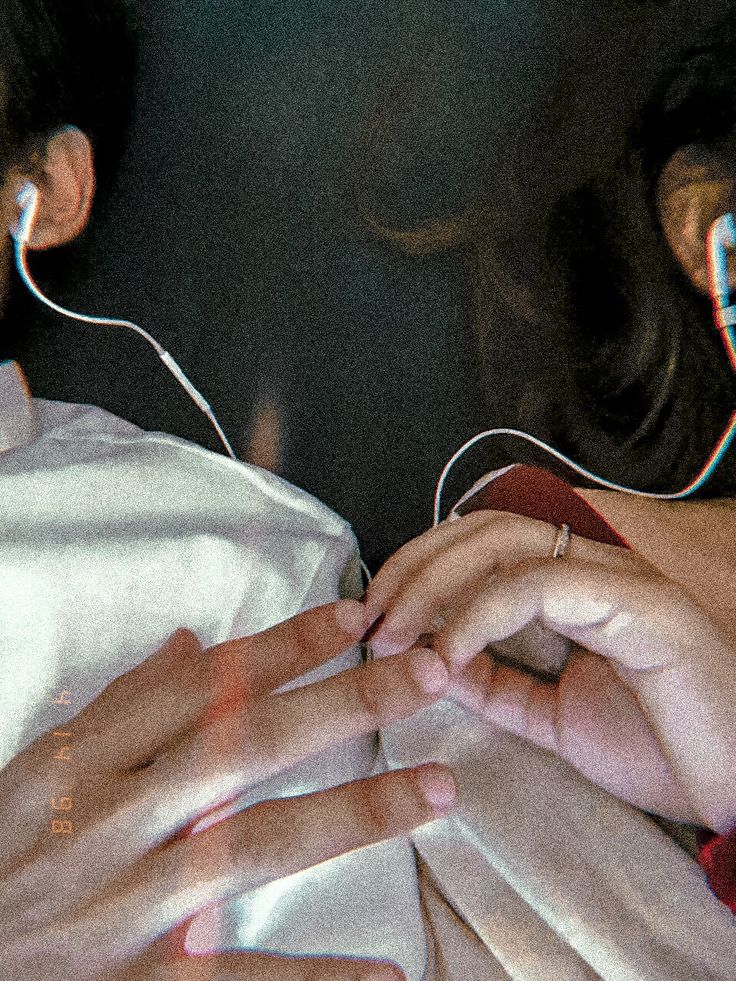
(18, 416)
(558, 880)
(111, 538)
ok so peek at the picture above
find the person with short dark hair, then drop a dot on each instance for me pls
(158, 605)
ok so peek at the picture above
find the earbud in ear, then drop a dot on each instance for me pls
(722, 237)
(28, 201)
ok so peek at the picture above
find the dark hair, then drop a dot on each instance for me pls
(62, 62)
(653, 385)
(66, 62)
(631, 378)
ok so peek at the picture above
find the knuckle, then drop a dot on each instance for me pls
(185, 641)
(321, 970)
(400, 555)
(260, 736)
(374, 807)
(388, 575)
(303, 632)
(265, 848)
(481, 519)
(425, 578)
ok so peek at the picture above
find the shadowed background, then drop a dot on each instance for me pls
(263, 134)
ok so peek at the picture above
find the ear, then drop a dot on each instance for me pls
(66, 179)
(694, 189)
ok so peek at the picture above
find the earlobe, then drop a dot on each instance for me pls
(694, 190)
(65, 178)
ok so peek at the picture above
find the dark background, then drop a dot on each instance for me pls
(234, 237)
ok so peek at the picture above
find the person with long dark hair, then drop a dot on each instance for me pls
(635, 384)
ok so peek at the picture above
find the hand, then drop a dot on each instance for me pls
(183, 733)
(646, 705)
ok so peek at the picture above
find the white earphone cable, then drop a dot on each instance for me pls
(166, 358)
(721, 238)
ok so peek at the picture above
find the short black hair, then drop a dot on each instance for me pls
(66, 62)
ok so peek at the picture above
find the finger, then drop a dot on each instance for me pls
(217, 763)
(269, 659)
(253, 848)
(668, 652)
(119, 730)
(276, 733)
(511, 699)
(433, 579)
(401, 567)
(142, 711)
(590, 718)
(618, 612)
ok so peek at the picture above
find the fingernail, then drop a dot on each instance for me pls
(439, 788)
(429, 671)
(350, 616)
(376, 622)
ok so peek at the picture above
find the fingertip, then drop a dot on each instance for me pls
(351, 617)
(375, 624)
(184, 641)
(387, 643)
(429, 671)
(454, 651)
(439, 787)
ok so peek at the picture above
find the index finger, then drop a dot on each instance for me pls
(182, 687)
(265, 661)
(633, 616)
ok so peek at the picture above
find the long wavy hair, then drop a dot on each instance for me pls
(585, 330)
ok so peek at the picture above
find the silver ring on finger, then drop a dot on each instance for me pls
(562, 542)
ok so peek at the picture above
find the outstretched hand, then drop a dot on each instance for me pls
(646, 704)
(170, 741)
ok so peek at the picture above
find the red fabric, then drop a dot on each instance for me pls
(718, 858)
(534, 493)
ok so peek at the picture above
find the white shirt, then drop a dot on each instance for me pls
(111, 538)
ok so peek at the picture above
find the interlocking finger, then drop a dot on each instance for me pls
(217, 763)
(412, 588)
(250, 849)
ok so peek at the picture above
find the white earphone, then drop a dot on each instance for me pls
(721, 239)
(28, 201)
